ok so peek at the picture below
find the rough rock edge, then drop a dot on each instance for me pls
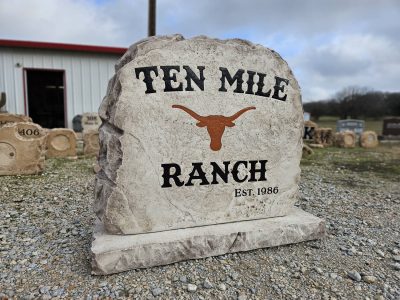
(113, 254)
(109, 132)
(23, 118)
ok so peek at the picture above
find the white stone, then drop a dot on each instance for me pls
(191, 287)
(369, 279)
(117, 253)
(143, 131)
(205, 132)
(90, 121)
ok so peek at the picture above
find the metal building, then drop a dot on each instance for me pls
(53, 82)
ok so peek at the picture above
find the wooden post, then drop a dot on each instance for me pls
(152, 18)
(2, 99)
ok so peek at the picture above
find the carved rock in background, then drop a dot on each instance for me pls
(323, 136)
(61, 142)
(6, 118)
(91, 142)
(22, 149)
(369, 139)
(309, 131)
(345, 139)
(90, 121)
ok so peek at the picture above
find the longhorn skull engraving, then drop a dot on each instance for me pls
(215, 124)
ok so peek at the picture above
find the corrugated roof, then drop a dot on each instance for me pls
(61, 46)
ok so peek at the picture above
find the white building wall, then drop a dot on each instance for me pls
(86, 76)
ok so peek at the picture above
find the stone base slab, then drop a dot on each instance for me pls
(117, 253)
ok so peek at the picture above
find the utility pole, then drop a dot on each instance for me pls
(152, 18)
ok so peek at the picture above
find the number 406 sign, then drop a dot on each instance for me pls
(29, 132)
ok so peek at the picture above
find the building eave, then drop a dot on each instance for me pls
(62, 47)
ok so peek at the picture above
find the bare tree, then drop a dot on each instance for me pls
(356, 103)
(346, 100)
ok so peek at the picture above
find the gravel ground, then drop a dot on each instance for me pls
(46, 230)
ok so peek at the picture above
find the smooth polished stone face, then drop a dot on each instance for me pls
(198, 132)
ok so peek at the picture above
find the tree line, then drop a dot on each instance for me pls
(356, 103)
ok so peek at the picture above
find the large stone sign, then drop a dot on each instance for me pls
(201, 143)
(22, 149)
(11, 118)
(61, 142)
(90, 121)
(350, 125)
(391, 126)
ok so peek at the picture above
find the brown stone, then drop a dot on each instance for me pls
(61, 142)
(323, 136)
(31, 130)
(11, 118)
(307, 150)
(369, 139)
(320, 146)
(310, 124)
(345, 139)
(91, 142)
(22, 149)
(79, 136)
(391, 126)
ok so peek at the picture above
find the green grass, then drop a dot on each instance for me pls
(383, 161)
(82, 164)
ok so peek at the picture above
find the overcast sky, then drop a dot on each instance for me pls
(329, 44)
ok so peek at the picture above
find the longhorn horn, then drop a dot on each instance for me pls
(240, 112)
(190, 112)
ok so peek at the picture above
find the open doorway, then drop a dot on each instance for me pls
(45, 97)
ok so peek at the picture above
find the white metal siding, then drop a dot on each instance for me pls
(86, 76)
